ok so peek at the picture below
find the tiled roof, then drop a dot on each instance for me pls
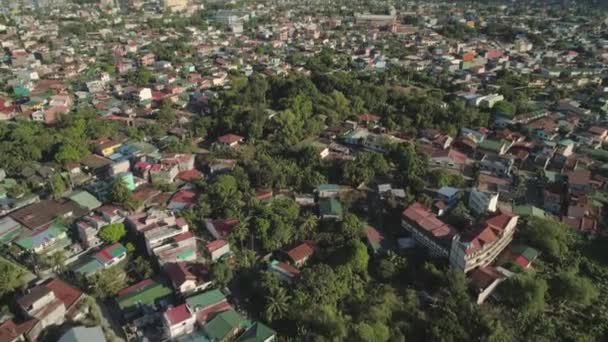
(111, 252)
(64, 292)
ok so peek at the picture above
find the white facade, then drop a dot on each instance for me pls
(482, 201)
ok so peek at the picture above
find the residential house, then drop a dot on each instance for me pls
(257, 332)
(104, 259)
(301, 253)
(449, 195)
(45, 240)
(224, 326)
(284, 271)
(230, 140)
(217, 249)
(330, 208)
(498, 165)
(178, 321)
(375, 240)
(221, 229)
(188, 278)
(328, 190)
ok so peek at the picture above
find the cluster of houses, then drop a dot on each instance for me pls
(554, 151)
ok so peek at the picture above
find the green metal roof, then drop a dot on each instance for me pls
(258, 332)
(85, 200)
(91, 267)
(146, 296)
(205, 299)
(526, 251)
(223, 325)
(529, 210)
(491, 145)
(43, 236)
(331, 206)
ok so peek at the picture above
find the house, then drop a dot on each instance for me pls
(146, 296)
(483, 281)
(45, 307)
(449, 195)
(330, 208)
(104, 259)
(328, 190)
(482, 201)
(205, 305)
(217, 249)
(284, 271)
(45, 212)
(230, 140)
(375, 240)
(579, 181)
(45, 240)
(188, 278)
(300, 254)
(221, 229)
(498, 165)
(224, 326)
(257, 332)
(178, 321)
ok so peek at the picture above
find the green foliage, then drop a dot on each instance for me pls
(575, 289)
(550, 237)
(526, 292)
(143, 268)
(107, 283)
(120, 192)
(221, 273)
(11, 277)
(112, 233)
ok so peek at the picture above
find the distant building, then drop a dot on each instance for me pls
(175, 5)
(482, 201)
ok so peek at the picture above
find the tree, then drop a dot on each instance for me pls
(58, 186)
(351, 227)
(221, 273)
(57, 261)
(120, 192)
(166, 115)
(112, 233)
(142, 267)
(575, 289)
(107, 283)
(276, 304)
(526, 292)
(11, 277)
(504, 108)
(551, 237)
(355, 256)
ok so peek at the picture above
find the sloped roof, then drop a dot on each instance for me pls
(146, 292)
(223, 324)
(302, 251)
(258, 332)
(205, 299)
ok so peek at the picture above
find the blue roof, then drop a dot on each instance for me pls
(448, 191)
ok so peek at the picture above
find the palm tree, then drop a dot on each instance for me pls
(276, 304)
(308, 226)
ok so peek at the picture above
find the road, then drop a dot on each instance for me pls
(108, 321)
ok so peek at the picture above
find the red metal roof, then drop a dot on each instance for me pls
(302, 251)
(229, 139)
(177, 314)
(215, 245)
(64, 292)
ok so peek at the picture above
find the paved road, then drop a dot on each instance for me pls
(108, 320)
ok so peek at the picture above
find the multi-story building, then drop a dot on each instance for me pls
(474, 248)
(482, 244)
(428, 230)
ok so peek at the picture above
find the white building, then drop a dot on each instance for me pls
(482, 201)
